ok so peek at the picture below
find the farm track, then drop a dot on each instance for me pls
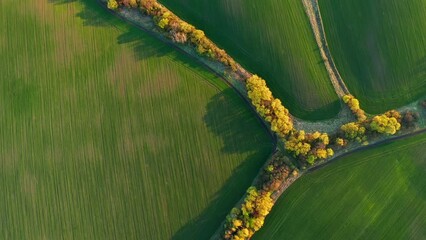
(314, 15)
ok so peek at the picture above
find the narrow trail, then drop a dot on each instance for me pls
(314, 15)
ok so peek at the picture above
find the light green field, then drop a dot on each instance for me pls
(107, 134)
(271, 38)
(374, 194)
(379, 48)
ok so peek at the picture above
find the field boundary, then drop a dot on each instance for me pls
(313, 12)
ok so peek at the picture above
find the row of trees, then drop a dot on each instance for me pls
(353, 104)
(387, 123)
(276, 173)
(242, 222)
(177, 29)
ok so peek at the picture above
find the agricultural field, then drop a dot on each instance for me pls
(379, 48)
(105, 133)
(108, 131)
(374, 194)
(271, 38)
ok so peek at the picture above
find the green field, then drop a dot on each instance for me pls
(271, 38)
(379, 48)
(374, 194)
(105, 133)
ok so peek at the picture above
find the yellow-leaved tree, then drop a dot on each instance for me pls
(112, 4)
(384, 124)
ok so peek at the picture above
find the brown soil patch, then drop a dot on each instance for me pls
(67, 43)
(8, 159)
(153, 142)
(122, 72)
(28, 184)
(163, 82)
(41, 8)
(2, 41)
(89, 152)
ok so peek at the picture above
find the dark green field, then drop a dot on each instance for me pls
(105, 133)
(271, 38)
(379, 48)
(374, 194)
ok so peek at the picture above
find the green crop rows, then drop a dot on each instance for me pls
(105, 133)
(379, 48)
(374, 194)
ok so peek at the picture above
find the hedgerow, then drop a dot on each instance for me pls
(242, 222)
(177, 29)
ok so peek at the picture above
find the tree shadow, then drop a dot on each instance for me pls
(144, 44)
(226, 117)
(91, 14)
(207, 223)
(234, 124)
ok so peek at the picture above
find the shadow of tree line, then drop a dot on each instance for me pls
(144, 45)
(224, 116)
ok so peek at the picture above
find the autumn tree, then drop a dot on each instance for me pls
(340, 142)
(353, 104)
(410, 118)
(309, 147)
(354, 130)
(243, 223)
(112, 4)
(423, 104)
(384, 124)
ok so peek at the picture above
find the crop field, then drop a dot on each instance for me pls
(379, 48)
(105, 133)
(374, 194)
(271, 38)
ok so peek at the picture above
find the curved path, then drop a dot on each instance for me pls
(313, 12)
